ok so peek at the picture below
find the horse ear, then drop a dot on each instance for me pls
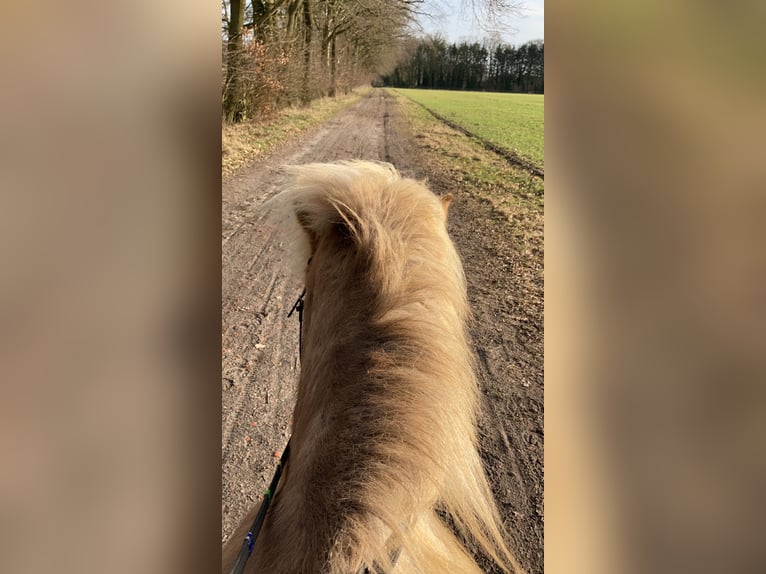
(347, 226)
(446, 200)
(305, 221)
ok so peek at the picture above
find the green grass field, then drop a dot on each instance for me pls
(512, 121)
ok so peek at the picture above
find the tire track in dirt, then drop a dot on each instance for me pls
(260, 363)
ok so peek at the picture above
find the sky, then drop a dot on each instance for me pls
(456, 22)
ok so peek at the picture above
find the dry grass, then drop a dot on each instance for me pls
(245, 142)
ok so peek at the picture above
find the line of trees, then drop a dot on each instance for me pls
(278, 52)
(432, 63)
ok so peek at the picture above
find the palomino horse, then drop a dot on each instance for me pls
(384, 469)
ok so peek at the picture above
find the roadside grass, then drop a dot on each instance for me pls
(513, 191)
(245, 142)
(515, 122)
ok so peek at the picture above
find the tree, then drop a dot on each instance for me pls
(233, 108)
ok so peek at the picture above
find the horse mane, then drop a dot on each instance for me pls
(384, 450)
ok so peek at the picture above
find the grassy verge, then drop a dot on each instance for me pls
(514, 192)
(515, 122)
(242, 143)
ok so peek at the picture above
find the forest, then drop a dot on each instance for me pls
(501, 68)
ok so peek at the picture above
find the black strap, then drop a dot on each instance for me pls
(298, 306)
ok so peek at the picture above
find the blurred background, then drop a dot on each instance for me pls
(654, 282)
(110, 290)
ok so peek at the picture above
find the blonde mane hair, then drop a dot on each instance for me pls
(384, 443)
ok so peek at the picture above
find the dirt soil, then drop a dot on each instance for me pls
(260, 344)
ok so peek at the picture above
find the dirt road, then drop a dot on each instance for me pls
(260, 344)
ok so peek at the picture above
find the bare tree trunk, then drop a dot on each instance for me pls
(333, 67)
(326, 36)
(292, 8)
(261, 24)
(233, 108)
(330, 34)
(306, 92)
